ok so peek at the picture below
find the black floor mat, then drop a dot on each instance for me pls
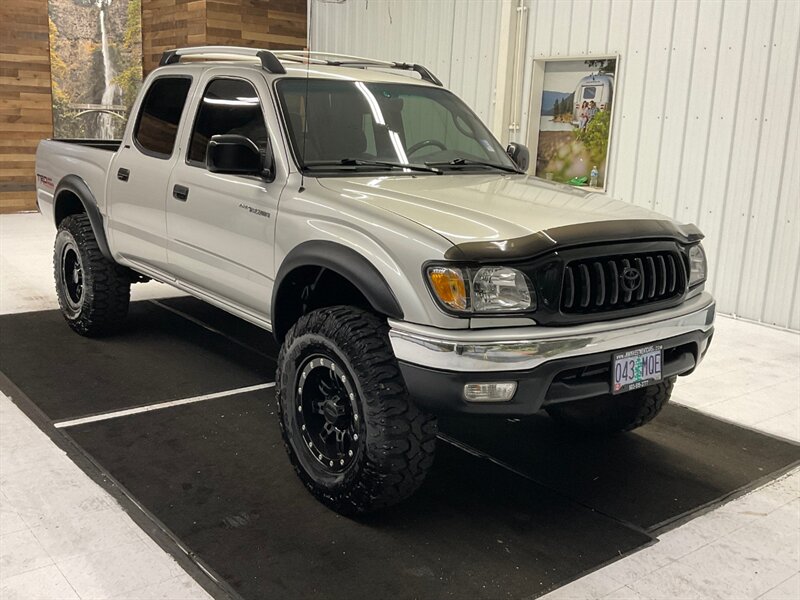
(678, 463)
(158, 356)
(217, 475)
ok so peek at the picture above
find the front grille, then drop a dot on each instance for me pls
(618, 282)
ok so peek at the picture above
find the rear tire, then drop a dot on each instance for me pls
(93, 292)
(608, 414)
(353, 435)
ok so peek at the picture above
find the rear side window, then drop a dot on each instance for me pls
(228, 106)
(160, 115)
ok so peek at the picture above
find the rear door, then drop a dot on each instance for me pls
(140, 173)
(220, 227)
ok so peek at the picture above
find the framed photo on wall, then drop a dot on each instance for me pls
(570, 133)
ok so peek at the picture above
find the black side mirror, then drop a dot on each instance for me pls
(236, 154)
(520, 155)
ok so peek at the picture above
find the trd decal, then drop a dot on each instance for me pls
(45, 181)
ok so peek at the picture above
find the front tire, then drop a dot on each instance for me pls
(609, 414)
(93, 292)
(354, 437)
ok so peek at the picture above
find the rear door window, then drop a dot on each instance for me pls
(228, 106)
(160, 115)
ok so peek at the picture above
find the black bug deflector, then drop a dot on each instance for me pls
(569, 236)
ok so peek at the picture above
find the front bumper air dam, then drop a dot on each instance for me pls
(549, 364)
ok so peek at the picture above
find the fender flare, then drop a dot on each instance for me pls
(345, 262)
(76, 185)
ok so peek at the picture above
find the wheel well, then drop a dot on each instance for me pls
(68, 203)
(308, 288)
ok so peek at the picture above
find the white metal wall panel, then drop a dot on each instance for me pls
(696, 134)
(455, 39)
(706, 123)
(676, 105)
(764, 194)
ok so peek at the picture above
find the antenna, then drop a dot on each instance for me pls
(305, 101)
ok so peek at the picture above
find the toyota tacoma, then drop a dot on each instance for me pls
(403, 259)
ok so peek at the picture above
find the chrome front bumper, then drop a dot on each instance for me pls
(524, 348)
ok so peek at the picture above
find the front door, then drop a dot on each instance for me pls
(220, 227)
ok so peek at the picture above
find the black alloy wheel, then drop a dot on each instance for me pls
(328, 415)
(72, 277)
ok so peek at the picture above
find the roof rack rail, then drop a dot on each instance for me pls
(346, 60)
(271, 59)
(268, 60)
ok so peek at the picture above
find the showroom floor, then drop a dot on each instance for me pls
(63, 536)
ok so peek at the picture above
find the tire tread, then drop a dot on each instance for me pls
(107, 285)
(401, 440)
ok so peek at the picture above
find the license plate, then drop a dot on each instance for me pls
(636, 369)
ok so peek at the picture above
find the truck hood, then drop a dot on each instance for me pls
(471, 207)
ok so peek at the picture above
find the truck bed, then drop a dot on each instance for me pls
(87, 159)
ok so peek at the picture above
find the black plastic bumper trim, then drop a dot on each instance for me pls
(441, 392)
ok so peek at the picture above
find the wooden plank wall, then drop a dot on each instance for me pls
(25, 103)
(168, 24)
(279, 24)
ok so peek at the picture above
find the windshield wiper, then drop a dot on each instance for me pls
(466, 162)
(360, 162)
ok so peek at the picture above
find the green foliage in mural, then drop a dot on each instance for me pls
(130, 78)
(65, 123)
(562, 109)
(604, 65)
(594, 136)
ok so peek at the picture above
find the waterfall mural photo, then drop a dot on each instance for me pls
(96, 65)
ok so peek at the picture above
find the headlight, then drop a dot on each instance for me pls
(481, 289)
(697, 265)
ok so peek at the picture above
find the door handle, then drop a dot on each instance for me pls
(123, 174)
(180, 192)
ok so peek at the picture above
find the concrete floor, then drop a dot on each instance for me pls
(62, 536)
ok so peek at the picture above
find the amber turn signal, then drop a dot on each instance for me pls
(448, 285)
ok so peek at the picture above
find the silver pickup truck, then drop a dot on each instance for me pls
(400, 255)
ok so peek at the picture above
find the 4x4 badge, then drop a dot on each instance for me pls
(631, 279)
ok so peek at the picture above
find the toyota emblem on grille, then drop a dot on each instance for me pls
(630, 279)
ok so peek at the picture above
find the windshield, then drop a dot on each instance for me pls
(346, 125)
